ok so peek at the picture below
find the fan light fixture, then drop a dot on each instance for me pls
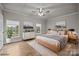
(40, 11)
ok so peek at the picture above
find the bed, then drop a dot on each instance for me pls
(53, 42)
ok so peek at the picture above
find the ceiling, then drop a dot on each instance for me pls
(56, 9)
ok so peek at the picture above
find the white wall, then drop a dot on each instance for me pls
(1, 29)
(71, 21)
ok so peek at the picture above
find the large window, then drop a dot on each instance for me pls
(12, 28)
(38, 28)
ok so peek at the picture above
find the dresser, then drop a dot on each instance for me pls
(28, 32)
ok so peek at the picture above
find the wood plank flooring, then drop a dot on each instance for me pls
(32, 48)
(18, 49)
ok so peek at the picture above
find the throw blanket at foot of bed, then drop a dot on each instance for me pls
(53, 42)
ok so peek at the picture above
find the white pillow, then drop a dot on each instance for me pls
(61, 32)
(53, 33)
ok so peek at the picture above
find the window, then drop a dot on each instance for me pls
(38, 28)
(12, 29)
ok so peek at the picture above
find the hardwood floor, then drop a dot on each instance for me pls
(24, 48)
(32, 48)
(18, 49)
